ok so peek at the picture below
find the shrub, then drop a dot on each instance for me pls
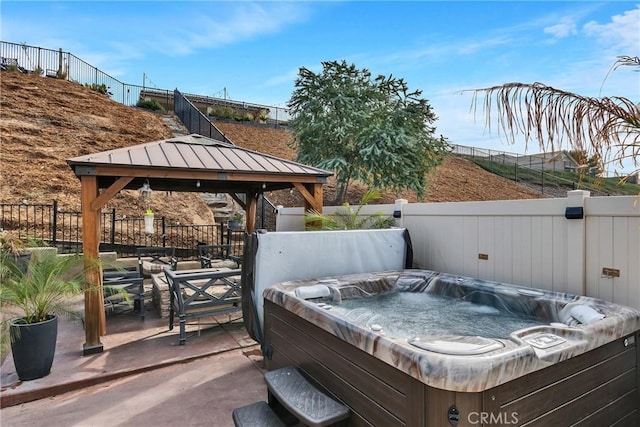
(100, 88)
(347, 218)
(221, 112)
(150, 104)
(262, 116)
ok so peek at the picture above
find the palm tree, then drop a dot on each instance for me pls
(553, 117)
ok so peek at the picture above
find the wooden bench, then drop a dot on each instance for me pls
(288, 387)
(201, 293)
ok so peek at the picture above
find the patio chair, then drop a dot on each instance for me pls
(217, 256)
(202, 293)
(123, 287)
(153, 259)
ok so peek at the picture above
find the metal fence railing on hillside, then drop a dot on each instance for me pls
(545, 169)
(65, 65)
(556, 162)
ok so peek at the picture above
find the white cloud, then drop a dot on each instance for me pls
(621, 35)
(285, 78)
(243, 21)
(563, 29)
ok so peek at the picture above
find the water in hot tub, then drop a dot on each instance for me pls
(408, 314)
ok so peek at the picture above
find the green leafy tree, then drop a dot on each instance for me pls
(553, 117)
(373, 130)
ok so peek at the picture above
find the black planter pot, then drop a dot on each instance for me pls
(23, 261)
(33, 347)
(234, 224)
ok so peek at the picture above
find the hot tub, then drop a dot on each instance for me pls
(418, 347)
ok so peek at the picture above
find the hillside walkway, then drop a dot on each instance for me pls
(173, 122)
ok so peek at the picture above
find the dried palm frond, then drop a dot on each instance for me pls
(606, 127)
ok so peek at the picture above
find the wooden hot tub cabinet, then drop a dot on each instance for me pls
(596, 388)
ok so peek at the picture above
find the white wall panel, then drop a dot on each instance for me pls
(559, 254)
(468, 246)
(631, 278)
(537, 262)
(504, 249)
(600, 229)
(487, 234)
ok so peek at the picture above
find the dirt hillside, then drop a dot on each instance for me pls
(44, 121)
(455, 180)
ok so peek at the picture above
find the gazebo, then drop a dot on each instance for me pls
(192, 163)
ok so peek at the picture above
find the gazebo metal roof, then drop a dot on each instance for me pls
(192, 163)
(177, 164)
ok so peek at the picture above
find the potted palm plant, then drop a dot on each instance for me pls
(32, 299)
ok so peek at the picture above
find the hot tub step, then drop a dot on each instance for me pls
(258, 414)
(310, 405)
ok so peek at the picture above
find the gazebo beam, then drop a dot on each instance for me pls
(238, 200)
(166, 173)
(312, 194)
(107, 194)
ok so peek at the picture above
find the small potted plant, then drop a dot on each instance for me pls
(32, 299)
(235, 220)
(22, 250)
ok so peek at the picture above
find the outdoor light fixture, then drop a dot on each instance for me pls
(145, 191)
(264, 185)
(145, 195)
(198, 184)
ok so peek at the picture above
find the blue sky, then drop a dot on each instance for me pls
(251, 51)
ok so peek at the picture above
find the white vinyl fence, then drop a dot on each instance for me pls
(537, 243)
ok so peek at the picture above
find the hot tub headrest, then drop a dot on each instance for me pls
(585, 314)
(313, 291)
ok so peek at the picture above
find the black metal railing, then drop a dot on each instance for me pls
(65, 65)
(194, 120)
(46, 224)
(550, 173)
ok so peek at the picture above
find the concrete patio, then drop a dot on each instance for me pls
(143, 377)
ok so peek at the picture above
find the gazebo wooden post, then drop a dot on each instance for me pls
(252, 207)
(93, 305)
